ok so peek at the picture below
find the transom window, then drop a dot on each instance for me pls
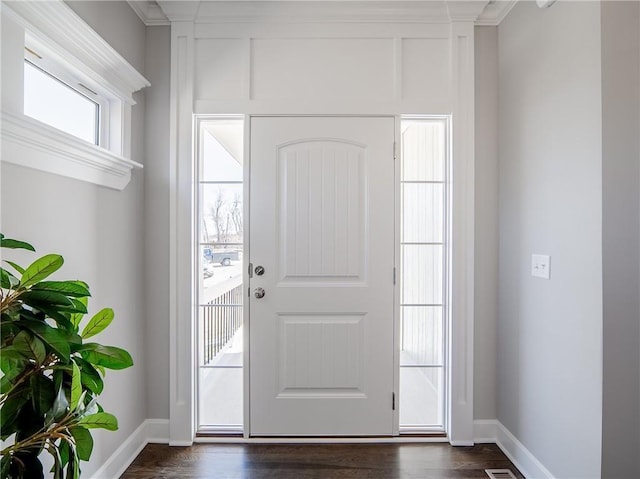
(54, 102)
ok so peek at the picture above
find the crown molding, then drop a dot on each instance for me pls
(495, 12)
(69, 37)
(149, 12)
(182, 10)
(482, 12)
(465, 11)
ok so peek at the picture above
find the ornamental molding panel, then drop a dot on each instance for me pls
(64, 32)
(482, 12)
(57, 152)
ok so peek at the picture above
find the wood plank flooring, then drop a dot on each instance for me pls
(331, 461)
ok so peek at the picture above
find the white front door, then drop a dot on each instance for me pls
(322, 230)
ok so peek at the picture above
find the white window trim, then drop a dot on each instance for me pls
(80, 50)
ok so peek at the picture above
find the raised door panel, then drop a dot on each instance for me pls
(321, 194)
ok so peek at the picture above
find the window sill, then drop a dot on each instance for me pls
(57, 152)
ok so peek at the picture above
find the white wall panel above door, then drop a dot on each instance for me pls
(397, 69)
(322, 67)
(221, 68)
(425, 73)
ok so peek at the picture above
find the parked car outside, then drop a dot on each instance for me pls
(223, 256)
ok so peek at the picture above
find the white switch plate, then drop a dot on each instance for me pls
(541, 266)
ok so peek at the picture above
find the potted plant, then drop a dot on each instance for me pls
(51, 375)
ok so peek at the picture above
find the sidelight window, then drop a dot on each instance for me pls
(220, 275)
(423, 291)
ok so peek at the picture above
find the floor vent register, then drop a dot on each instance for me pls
(500, 474)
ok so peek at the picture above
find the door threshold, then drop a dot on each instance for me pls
(236, 439)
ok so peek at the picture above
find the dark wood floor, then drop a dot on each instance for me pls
(370, 461)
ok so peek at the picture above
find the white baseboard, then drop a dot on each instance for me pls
(157, 431)
(150, 431)
(484, 431)
(493, 431)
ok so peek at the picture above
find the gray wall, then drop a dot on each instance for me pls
(156, 219)
(99, 232)
(550, 332)
(621, 242)
(486, 235)
(117, 23)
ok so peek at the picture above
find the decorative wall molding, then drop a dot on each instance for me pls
(77, 43)
(181, 224)
(494, 432)
(28, 142)
(150, 431)
(495, 12)
(484, 12)
(149, 12)
(461, 320)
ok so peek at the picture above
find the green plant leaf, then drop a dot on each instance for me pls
(77, 307)
(9, 353)
(58, 313)
(40, 269)
(77, 289)
(5, 466)
(56, 469)
(7, 280)
(99, 420)
(107, 356)
(9, 411)
(13, 364)
(29, 346)
(59, 406)
(64, 452)
(14, 244)
(76, 318)
(76, 387)
(54, 338)
(35, 297)
(98, 323)
(43, 393)
(28, 421)
(15, 266)
(84, 442)
(8, 330)
(73, 469)
(90, 377)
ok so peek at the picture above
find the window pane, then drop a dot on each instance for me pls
(422, 212)
(423, 150)
(55, 103)
(222, 151)
(422, 274)
(422, 340)
(220, 271)
(220, 398)
(421, 397)
(221, 210)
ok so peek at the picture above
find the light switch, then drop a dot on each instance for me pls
(541, 266)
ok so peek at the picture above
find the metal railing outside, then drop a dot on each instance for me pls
(222, 317)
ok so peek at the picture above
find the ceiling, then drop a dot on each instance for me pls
(162, 12)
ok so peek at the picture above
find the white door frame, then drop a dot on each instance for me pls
(181, 232)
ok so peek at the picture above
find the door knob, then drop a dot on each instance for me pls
(259, 293)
